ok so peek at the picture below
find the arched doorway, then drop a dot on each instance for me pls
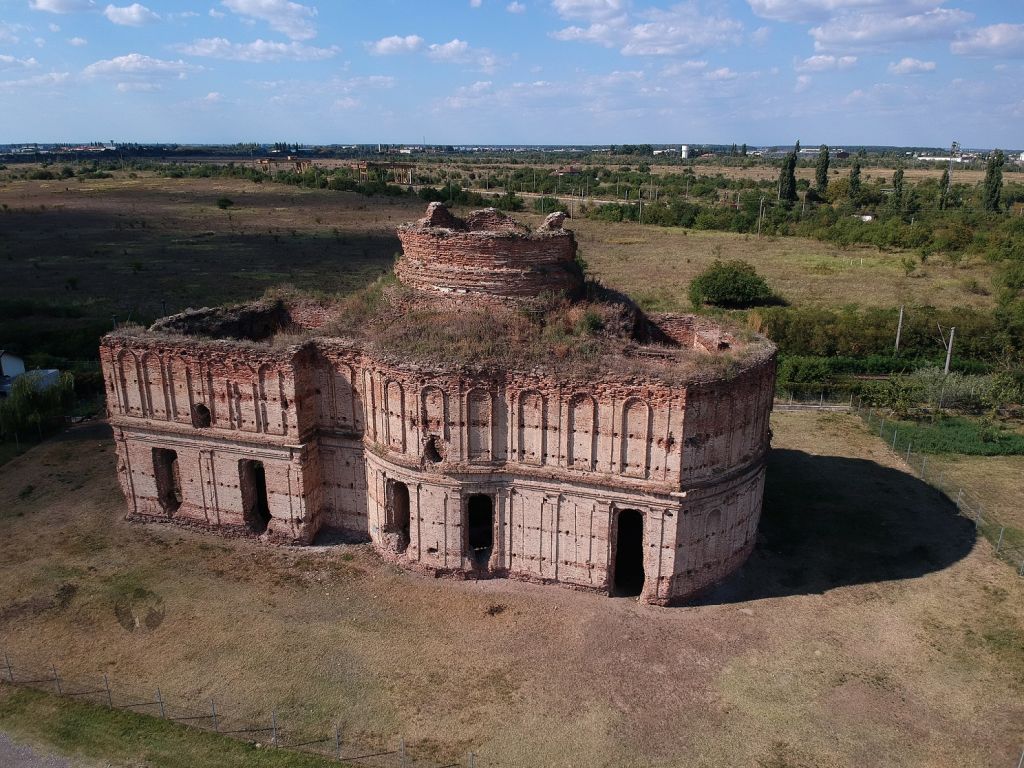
(628, 576)
(398, 513)
(252, 479)
(480, 528)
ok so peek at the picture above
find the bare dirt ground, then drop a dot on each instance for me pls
(868, 628)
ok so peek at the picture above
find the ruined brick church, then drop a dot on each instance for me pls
(638, 472)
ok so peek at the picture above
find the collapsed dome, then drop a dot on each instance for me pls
(488, 254)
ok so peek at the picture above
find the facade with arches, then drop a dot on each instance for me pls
(617, 485)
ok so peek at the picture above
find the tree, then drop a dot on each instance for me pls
(731, 284)
(992, 188)
(787, 179)
(855, 180)
(944, 189)
(743, 150)
(821, 170)
(897, 188)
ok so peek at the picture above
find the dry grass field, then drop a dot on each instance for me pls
(131, 247)
(656, 264)
(869, 628)
(996, 481)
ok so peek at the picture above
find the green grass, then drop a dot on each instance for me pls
(81, 729)
(958, 434)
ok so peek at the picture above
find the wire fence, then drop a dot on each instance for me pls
(1008, 540)
(279, 729)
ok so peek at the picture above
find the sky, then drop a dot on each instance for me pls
(841, 72)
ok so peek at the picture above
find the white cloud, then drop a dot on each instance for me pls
(515, 7)
(346, 102)
(683, 28)
(40, 42)
(140, 86)
(680, 67)
(909, 66)
(722, 73)
(387, 46)
(994, 40)
(807, 11)
(213, 97)
(11, 62)
(761, 35)
(803, 82)
(138, 64)
(9, 32)
(290, 19)
(589, 10)
(871, 30)
(215, 14)
(60, 6)
(53, 27)
(256, 51)
(134, 15)
(78, 42)
(36, 82)
(457, 51)
(822, 63)
(475, 3)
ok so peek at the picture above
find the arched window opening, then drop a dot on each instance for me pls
(200, 416)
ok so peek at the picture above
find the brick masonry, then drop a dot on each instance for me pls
(497, 474)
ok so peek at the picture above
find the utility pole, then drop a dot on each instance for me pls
(949, 348)
(953, 149)
(899, 330)
(760, 215)
(948, 345)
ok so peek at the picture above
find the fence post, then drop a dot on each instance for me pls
(908, 452)
(924, 465)
(999, 541)
(959, 496)
(160, 701)
(10, 669)
(401, 752)
(337, 741)
(56, 678)
(273, 727)
(894, 441)
(1021, 761)
(472, 760)
(213, 714)
(106, 685)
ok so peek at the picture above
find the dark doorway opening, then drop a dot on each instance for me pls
(168, 479)
(430, 452)
(629, 554)
(480, 528)
(252, 479)
(200, 416)
(399, 522)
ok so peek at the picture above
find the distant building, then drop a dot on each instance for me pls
(684, 151)
(12, 367)
(10, 364)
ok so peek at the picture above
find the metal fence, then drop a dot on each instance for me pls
(1007, 540)
(277, 730)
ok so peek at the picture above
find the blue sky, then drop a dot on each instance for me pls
(514, 71)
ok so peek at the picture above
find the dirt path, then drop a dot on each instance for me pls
(14, 755)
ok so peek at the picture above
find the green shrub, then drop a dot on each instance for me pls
(731, 284)
(224, 203)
